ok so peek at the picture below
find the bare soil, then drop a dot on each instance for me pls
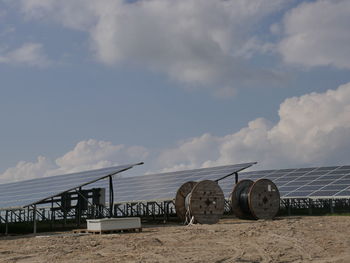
(290, 239)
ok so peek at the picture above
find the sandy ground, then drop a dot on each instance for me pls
(294, 239)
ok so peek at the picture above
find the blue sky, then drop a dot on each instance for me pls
(87, 84)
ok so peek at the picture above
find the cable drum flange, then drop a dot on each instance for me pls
(180, 199)
(206, 202)
(264, 199)
(239, 202)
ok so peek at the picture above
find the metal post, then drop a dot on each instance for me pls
(111, 196)
(64, 218)
(236, 178)
(28, 214)
(51, 216)
(79, 208)
(34, 219)
(310, 206)
(7, 223)
(331, 206)
(289, 207)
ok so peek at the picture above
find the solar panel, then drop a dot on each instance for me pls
(314, 182)
(25, 193)
(163, 186)
(317, 182)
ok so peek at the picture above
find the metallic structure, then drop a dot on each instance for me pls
(27, 201)
(70, 199)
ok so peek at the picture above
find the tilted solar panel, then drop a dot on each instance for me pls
(317, 182)
(323, 182)
(25, 193)
(163, 186)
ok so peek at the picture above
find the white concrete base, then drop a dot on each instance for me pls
(106, 224)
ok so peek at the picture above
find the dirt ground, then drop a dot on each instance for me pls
(290, 239)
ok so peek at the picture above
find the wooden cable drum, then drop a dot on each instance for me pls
(255, 200)
(206, 202)
(180, 199)
(240, 206)
(264, 199)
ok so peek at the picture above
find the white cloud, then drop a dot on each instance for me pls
(317, 34)
(93, 154)
(198, 42)
(27, 170)
(313, 129)
(29, 54)
(86, 155)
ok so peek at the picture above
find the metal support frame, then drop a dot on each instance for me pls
(79, 208)
(111, 196)
(87, 200)
(311, 203)
(224, 177)
(6, 222)
(161, 210)
(312, 206)
(331, 206)
(16, 216)
(52, 211)
(34, 219)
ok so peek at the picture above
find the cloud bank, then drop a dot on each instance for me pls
(217, 45)
(317, 34)
(313, 129)
(86, 155)
(199, 43)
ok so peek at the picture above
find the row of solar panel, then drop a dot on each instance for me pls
(303, 182)
(307, 182)
(25, 193)
(298, 178)
(164, 186)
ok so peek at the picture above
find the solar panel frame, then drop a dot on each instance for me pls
(163, 186)
(308, 182)
(304, 180)
(22, 194)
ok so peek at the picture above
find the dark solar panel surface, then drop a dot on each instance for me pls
(318, 182)
(24, 193)
(322, 182)
(163, 186)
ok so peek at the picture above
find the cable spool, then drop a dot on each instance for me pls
(255, 200)
(180, 199)
(204, 202)
(264, 199)
(240, 205)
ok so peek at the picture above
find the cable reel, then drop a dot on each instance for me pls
(201, 202)
(255, 200)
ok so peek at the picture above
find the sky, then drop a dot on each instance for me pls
(177, 84)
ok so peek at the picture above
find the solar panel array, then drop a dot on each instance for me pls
(318, 182)
(164, 186)
(25, 193)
